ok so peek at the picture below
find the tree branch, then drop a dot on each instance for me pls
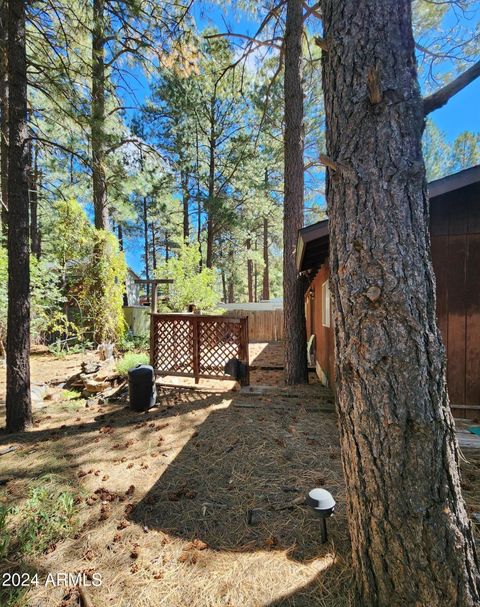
(442, 96)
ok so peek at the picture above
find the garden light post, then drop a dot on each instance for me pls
(323, 505)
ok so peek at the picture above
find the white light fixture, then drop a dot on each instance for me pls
(323, 504)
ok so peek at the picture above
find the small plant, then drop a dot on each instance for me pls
(130, 360)
(46, 518)
(130, 342)
(5, 536)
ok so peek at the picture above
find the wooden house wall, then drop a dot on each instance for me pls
(324, 350)
(455, 235)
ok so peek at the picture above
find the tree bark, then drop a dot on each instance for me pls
(18, 403)
(293, 286)
(186, 205)
(154, 248)
(211, 185)
(3, 117)
(224, 287)
(249, 271)
(145, 244)
(266, 262)
(411, 538)
(99, 186)
(35, 245)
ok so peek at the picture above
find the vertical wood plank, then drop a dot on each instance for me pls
(440, 267)
(472, 293)
(456, 351)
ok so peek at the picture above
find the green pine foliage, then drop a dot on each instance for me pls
(190, 285)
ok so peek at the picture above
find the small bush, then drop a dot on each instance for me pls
(130, 360)
(131, 342)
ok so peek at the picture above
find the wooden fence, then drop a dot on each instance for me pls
(194, 345)
(263, 325)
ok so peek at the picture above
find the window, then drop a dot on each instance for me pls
(325, 304)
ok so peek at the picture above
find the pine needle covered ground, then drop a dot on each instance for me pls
(197, 502)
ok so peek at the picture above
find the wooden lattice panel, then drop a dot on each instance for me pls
(197, 346)
(173, 345)
(219, 342)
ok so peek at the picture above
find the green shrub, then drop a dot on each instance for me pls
(130, 360)
(101, 288)
(190, 286)
(129, 342)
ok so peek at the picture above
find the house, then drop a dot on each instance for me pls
(455, 236)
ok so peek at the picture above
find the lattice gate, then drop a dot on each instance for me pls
(194, 345)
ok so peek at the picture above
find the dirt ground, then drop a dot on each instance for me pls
(196, 502)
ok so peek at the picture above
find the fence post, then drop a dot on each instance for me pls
(196, 348)
(152, 340)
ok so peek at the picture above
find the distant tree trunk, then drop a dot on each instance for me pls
(224, 287)
(211, 185)
(186, 204)
(231, 284)
(100, 208)
(293, 286)
(411, 538)
(34, 228)
(120, 236)
(154, 248)
(3, 117)
(199, 199)
(255, 275)
(249, 271)
(18, 403)
(145, 244)
(266, 263)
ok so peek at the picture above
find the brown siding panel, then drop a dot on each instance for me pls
(473, 321)
(456, 319)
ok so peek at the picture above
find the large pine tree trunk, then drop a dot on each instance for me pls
(18, 404)
(3, 117)
(411, 539)
(35, 243)
(293, 287)
(100, 208)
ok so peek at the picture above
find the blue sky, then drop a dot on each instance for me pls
(460, 114)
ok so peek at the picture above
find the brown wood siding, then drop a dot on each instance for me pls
(324, 351)
(455, 233)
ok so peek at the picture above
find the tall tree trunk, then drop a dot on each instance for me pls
(293, 286)
(18, 403)
(120, 236)
(154, 248)
(100, 208)
(255, 275)
(411, 538)
(3, 117)
(266, 263)
(145, 244)
(186, 205)
(211, 185)
(34, 228)
(249, 271)
(167, 247)
(199, 198)
(231, 284)
(224, 287)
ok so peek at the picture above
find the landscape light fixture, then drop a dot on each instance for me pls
(323, 505)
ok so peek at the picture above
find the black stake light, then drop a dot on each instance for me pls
(323, 505)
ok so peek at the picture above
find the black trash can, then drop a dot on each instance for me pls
(141, 388)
